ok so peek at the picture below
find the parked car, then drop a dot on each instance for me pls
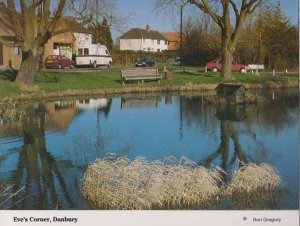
(145, 62)
(215, 65)
(176, 62)
(58, 61)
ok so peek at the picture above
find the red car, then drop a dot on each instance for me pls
(215, 65)
(58, 61)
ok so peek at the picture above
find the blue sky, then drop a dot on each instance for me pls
(141, 13)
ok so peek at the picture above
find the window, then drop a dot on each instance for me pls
(55, 46)
(16, 50)
(158, 42)
(166, 42)
(158, 50)
(86, 51)
(80, 52)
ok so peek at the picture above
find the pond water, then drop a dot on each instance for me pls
(49, 147)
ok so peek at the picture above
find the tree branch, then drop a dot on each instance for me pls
(236, 11)
(57, 15)
(71, 28)
(205, 7)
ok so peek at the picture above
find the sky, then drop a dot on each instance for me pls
(141, 13)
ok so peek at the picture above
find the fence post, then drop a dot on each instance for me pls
(273, 72)
(205, 70)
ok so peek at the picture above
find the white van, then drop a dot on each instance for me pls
(93, 55)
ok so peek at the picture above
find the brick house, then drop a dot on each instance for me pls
(67, 43)
(173, 40)
(10, 53)
(63, 44)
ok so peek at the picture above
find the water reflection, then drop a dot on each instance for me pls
(49, 148)
(228, 114)
(37, 170)
(42, 176)
(140, 101)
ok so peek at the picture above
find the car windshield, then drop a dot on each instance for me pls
(50, 57)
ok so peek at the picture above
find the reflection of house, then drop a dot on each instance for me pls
(140, 102)
(92, 103)
(173, 40)
(143, 40)
(60, 114)
(10, 53)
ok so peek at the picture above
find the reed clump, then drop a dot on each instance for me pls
(118, 183)
(253, 178)
(6, 194)
(254, 186)
(140, 184)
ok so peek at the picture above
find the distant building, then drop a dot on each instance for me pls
(62, 44)
(67, 43)
(10, 53)
(173, 40)
(137, 39)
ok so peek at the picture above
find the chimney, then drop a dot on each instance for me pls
(148, 27)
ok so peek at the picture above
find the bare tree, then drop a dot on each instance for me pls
(34, 22)
(231, 26)
(98, 10)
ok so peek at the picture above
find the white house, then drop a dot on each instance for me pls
(137, 39)
(82, 39)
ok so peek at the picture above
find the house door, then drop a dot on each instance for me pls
(1, 54)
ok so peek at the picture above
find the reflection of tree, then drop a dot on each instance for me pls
(274, 115)
(228, 114)
(194, 111)
(105, 110)
(100, 140)
(37, 169)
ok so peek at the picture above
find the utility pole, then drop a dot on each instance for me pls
(181, 15)
(181, 29)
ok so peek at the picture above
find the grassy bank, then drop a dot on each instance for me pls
(70, 83)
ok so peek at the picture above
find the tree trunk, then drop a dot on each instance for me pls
(227, 55)
(28, 68)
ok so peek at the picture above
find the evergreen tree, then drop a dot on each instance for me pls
(102, 34)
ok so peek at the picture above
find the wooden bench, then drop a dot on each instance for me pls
(136, 74)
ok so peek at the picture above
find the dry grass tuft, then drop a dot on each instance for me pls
(118, 183)
(254, 187)
(252, 178)
(6, 194)
(140, 184)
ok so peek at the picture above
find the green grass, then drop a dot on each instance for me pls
(7, 87)
(54, 82)
(57, 82)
